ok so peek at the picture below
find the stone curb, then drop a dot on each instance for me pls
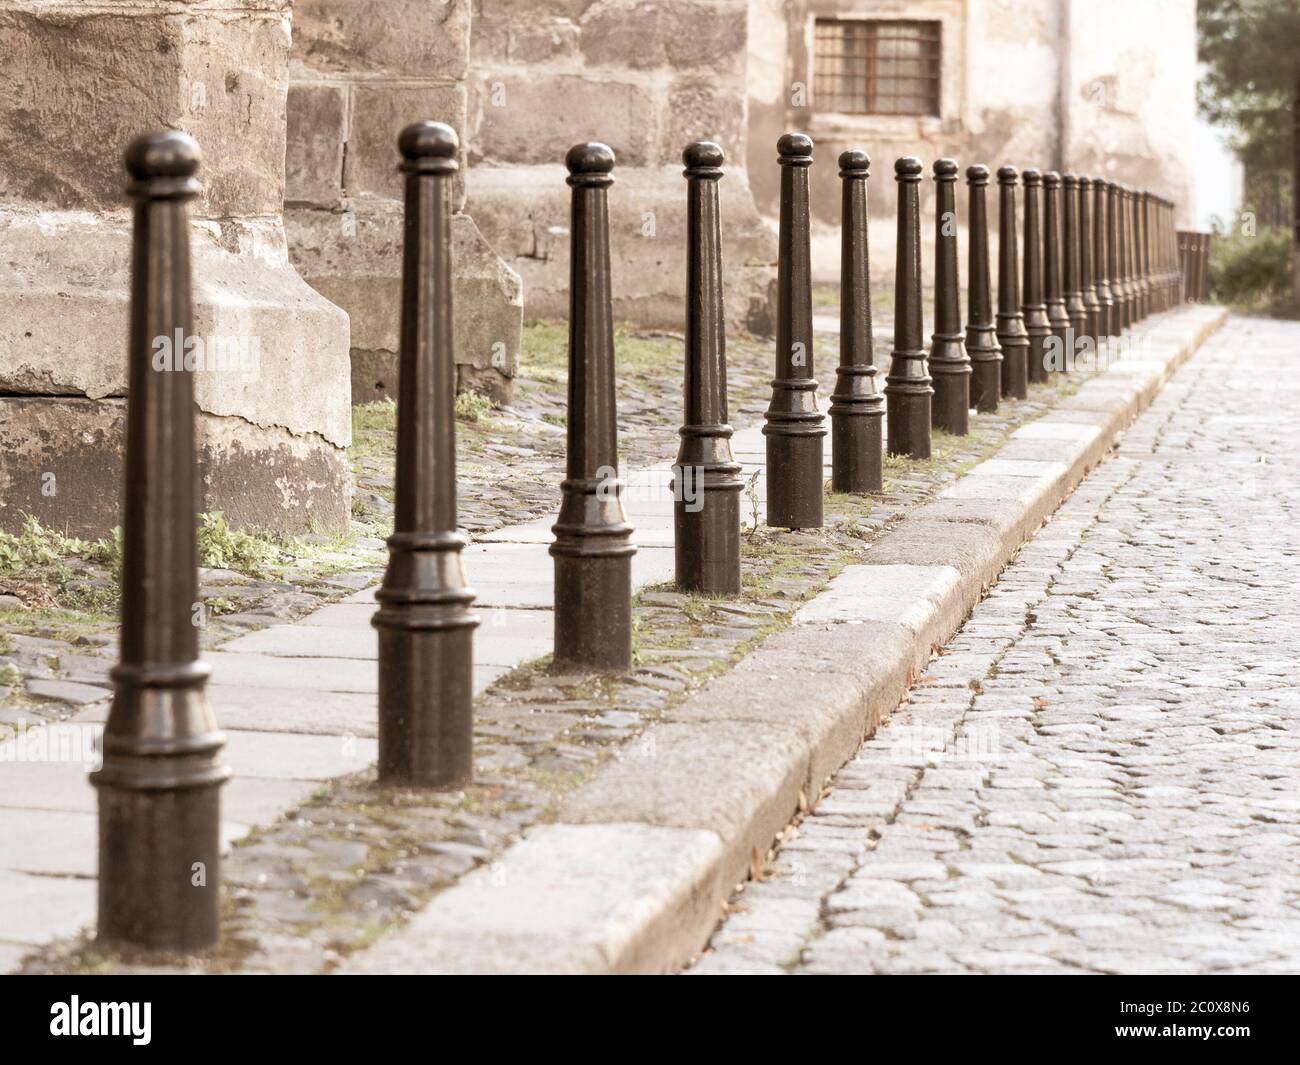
(631, 875)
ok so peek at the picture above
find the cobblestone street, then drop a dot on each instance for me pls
(1101, 772)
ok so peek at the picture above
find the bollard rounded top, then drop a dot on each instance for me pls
(908, 168)
(945, 168)
(167, 153)
(1085, 182)
(1051, 180)
(428, 148)
(590, 164)
(794, 149)
(854, 163)
(1007, 175)
(1031, 175)
(703, 159)
(163, 161)
(1069, 180)
(977, 174)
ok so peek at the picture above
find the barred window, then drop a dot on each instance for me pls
(876, 67)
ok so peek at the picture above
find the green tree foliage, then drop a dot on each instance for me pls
(1251, 49)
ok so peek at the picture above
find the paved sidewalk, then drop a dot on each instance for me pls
(1102, 771)
(297, 703)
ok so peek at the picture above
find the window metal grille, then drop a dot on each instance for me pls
(876, 66)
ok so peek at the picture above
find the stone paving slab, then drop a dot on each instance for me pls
(742, 784)
(37, 909)
(639, 891)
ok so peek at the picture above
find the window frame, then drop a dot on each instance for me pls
(931, 33)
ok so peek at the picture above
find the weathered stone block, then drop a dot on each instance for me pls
(355, 260)
(61, 461)
(379, 113)
(519, 120)
(317, 133)
(80, 85)
(702, 110)
(69, 270)
(414, 38)
(280, 416)
(501, 9)
(677, 33)
(543, 41)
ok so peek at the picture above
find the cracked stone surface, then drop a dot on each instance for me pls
(1101, 773)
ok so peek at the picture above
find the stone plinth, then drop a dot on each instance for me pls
(77, 84)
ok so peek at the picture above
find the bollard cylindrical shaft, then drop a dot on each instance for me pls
(981, 330)
(794, 427)
(425, 627)
(1012, 338)
(1101, 259)
(949, 366)
(856, 407)
(159, 784)
(1070, 260)
(907, 386)
(1087, 280)
(1058, 316)
(706, 478)
(1038, 326)
(592, 548)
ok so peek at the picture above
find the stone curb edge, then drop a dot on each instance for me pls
(631, 874)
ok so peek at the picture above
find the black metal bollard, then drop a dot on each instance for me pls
(907, 387)
(794, 427)
(425, 627)
(1130, 253)
(949, 365)
(1166, 276)
(706, 478)
(1070, 259)
(592, 549)
(981, 331)
(1053, 284)
(1175, 259)
(1115, 256)
(1144, 252)
(1012, 338)
(1037, 325)
(1101, 260)
(1087, 280)
(159, 785)
(1123, 295)
(1184, 266)
(1134, 262)
(856, 407)
(1139, 309)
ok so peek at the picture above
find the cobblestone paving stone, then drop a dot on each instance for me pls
(1101, 773)
(355, 862)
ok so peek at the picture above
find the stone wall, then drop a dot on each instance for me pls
(78, 82)
(646, 77)
(362, 70)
